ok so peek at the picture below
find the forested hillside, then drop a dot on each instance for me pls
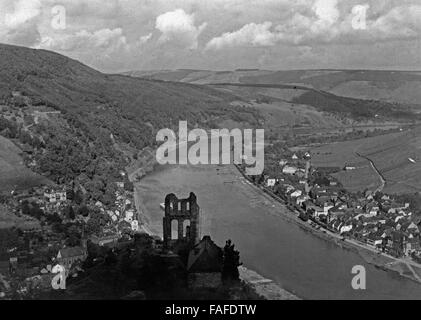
(77, 123)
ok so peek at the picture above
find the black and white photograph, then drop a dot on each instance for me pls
(222, 153)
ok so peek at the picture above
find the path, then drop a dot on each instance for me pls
(379, 174)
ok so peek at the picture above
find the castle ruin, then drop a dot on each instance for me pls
(183, 211)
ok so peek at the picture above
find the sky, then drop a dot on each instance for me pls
(123, 35)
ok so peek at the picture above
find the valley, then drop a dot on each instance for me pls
(84, 138)
(334, 113)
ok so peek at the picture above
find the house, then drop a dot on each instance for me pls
(296, 194)
(288, 188)
(120, 184)
(135, 225)
(61, 196)
(129, 216)
(99, 204)
(315, 211)
(334, 213)
(412, 245)
(105, 240)
(289, 170)
(412, 228)
(301, 200)
(270, 182)
(204, 265)
(70, 255)
(283, 162)
(337, 224)
(376, 238)
(345, 228)
(350, 168)
(55, 196)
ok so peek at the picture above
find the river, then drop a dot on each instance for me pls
(270, 243)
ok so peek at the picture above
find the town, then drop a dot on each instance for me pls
(80, 236)
(379, 221)
(61, 223)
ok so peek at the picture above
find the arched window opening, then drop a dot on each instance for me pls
(174, 230)
(186, 227)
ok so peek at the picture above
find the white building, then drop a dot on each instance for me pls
(55, 196)
(135, 225)
(296, 194)
(283, 162)
(270, 182)
(289, 170)
(120, 184)
(345, 228)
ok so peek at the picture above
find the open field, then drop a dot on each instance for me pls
(8, 220)
(391, 153)
(398, 158)
(359, 180)
(13, 173)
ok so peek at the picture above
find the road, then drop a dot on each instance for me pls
(379, 174)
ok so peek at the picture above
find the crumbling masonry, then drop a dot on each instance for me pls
(181, 210)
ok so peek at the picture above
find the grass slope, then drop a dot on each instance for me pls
(13, 174)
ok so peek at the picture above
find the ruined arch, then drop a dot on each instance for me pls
(186, 213)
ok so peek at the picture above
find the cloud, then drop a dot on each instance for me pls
(24, 11)
(251, 34)
(327, 10)
(19, 22)
(131, 34)
(104, 39)
(179, 26)
(144, 39)
(25, 35)
(323, 24)
(400, 22)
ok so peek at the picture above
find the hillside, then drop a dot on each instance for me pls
(391, 86)
(397, 156)
(13, 173)
(76, 123)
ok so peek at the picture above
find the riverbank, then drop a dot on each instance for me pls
(262, 286)
(270, 240)
(403, 267)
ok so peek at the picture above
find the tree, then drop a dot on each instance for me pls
(83, 211)
(231, 262)
(69, 213)
(125, 227)
(128, 186)
(109, 195)
(73, 236)
(97, 222)
(9, 238)
(78, 197)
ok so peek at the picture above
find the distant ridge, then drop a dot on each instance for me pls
(387, 85)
